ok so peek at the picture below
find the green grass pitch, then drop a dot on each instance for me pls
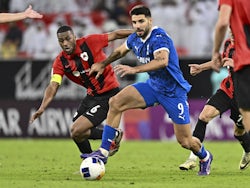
(45, 163)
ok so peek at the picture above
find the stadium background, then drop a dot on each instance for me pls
(25, 74)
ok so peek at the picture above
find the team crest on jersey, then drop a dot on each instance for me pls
(84, 56)
(76, 73)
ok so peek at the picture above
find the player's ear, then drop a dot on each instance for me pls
(150, 21)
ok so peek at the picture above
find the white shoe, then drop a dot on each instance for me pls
(245, 161)
(188, 165)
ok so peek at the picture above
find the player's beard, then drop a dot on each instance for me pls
(144, 33)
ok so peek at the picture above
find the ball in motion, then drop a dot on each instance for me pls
(92, 168)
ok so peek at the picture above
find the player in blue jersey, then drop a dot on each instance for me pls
(166, 86)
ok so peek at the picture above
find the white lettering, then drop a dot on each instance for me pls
(9, 123)
(54, 122)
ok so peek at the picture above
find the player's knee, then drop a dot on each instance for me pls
(206, 117)
(76, 134)
(114, 104)
(185, 144)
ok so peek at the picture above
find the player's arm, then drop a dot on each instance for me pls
(220, 31)
(28, 13)
(198, 68)
(49, 94)
(160, 61)
(118, 53)
(119, 34)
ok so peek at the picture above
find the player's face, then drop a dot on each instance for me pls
(141, 24)
(67, 41)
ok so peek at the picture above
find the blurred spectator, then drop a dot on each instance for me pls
(14, 34)
(28, 34)
(60, 6)
(132, 3)
(120, 14)
(52, 47)
(83, 25)
(19, 6)
(85, 6)
(200, 19)
(35, 40)
(4, 6)
(8, 50)
(164, 15)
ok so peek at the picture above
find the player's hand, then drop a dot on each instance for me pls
(124, 70)
(30, 13)
(97, 68)
(195, 69)
(228, 62)
(217, 62)
(36, 115)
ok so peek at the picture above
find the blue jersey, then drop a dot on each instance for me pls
(167, 80)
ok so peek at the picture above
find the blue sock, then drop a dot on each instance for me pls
(202, 153)
(107, 137)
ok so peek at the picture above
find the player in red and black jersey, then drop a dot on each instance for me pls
(74, 62)
(219, 103)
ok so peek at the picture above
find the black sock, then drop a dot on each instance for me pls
(200, 130)
(84, 146)
(244, 141)
(96, 132)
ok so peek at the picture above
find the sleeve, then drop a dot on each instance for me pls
(57, 71)
(129, 41)
(98, 41)
(161, 42)
(228, 2)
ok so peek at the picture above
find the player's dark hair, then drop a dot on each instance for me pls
(64, 28)
(140, 9)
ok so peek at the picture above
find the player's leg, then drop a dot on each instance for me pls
(131, 97)
(241, 81)
(206, 115)
(86, 123)
(178, 110)
(244, 138)
(241, 135)
(216, 105)
(184, 137)
(80, 132)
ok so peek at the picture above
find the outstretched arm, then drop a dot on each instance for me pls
(198, 68)
(220, 32)
(116, 54)
(119, 34)
(28, 13)
(49, 94)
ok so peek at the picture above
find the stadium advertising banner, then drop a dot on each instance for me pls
(155, 124)
(149, 124)
(23, 84)
(54, 122)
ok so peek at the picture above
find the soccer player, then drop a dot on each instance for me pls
(28, 13)
(74, 62)
(236, 14)
(219, 103)
(166, 85)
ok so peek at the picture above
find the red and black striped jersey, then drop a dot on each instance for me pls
(227, 83)
(76, 66)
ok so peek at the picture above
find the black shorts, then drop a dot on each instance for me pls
(95, 108)
(222, 102)
(241, 81)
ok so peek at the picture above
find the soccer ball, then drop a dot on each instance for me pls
(92, 168)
